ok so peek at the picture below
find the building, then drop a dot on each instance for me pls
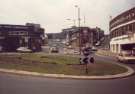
(122, 32)
(15, 36)
(83, 36)
(68, 34)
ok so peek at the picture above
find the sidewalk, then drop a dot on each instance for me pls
(62, 76)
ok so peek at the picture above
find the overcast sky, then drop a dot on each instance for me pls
(52, 14)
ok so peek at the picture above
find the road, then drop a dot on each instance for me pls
(16, 84)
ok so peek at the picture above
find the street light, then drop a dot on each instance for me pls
(78, 15)
(76, 6)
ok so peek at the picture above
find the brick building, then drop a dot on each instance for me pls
(83, 36)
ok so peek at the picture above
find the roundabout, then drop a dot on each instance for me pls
(58, 66)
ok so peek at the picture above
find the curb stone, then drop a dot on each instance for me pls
(62, 76)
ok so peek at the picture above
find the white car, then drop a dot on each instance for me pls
(76, 52)
(94, 48)
(54, 50)
(24, 49)
(125, 58)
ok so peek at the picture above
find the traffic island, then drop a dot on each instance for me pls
(60, 66)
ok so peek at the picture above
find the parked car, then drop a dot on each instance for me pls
(54, 50)
(23, 50)
(76, 52)
(125, 57)
(94, 48)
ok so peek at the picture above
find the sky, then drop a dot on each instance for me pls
(53, 14)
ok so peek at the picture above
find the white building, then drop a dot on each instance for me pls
(122, 32)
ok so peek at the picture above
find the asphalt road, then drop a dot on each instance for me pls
(16, 84)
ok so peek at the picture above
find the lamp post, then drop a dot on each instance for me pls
(78, 8)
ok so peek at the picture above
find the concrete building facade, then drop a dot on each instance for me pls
(122, 32)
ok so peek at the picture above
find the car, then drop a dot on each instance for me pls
(125, 57)
(54, 50)
(98, 43)
(94, 49)
(76, 52)
(24, 50)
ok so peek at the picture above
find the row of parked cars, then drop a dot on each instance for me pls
(55, 49)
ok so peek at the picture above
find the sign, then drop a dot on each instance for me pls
(87, 60)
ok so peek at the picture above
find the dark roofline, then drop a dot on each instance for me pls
(18, 27)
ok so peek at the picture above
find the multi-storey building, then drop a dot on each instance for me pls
(122, 31)
(83, 36)
(15, 36)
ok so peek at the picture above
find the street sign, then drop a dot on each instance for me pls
(87, 60)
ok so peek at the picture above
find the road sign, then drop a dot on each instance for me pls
(87, 60)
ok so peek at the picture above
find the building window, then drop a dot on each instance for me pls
(130, 27)
(115, 33)
(126, 29)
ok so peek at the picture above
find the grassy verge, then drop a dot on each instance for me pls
(105, 53)
(59, 64)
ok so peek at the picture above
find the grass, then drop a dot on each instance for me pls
(46, 58)
(60, 64)
(105, 53)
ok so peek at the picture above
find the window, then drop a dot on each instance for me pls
(127, 27)
(130, 27)
(129, 16)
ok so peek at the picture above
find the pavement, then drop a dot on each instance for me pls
(62, 76)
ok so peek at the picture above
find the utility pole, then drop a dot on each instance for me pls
(79, 28)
